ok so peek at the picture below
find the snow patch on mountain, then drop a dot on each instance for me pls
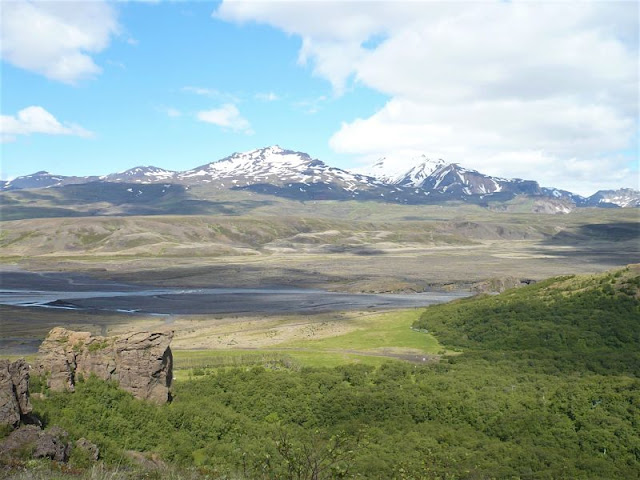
(623, 197)
(142, 174)
(277, 171)
(409, 173)
(276, 166)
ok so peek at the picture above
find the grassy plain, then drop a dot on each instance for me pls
(326, 339)
(296, 341)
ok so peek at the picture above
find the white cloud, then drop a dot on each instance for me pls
(547, 91)
(212, 93)
(168, 111)
(173, 112)
(56, 39)
(267, 97)
(35, 119)
(311, 105)
(207, 92)
(227, 116)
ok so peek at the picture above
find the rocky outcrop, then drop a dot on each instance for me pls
(53, 443)
(141, 363)
(500, 284)
(91, 449)
(14, 392)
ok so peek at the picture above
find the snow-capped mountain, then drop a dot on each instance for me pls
(391, 171)
(286, 173)
(623, 197)
(147, 174)
(455, 182)
(42, 179)
(458, 181)
(272, 168)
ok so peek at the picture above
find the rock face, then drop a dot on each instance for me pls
(141, 363)
(14, 392)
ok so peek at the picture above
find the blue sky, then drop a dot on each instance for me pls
(175, 59)
(547, 92)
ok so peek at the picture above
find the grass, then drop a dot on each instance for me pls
(12, 358)
(375, 332)
(191, 364)
(377, 338)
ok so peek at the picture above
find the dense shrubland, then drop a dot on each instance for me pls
(567, 324)
(546, 386)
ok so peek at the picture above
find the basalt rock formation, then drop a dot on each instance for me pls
(14, 392)
(141, 362)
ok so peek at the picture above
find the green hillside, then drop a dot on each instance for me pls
(565, 323)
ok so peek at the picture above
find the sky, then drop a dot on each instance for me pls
(547, 91)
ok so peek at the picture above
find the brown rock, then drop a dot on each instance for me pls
(20, 440)
(140, 362)
(14, 392)
(34, 442)
(53, 444)
(498, 284)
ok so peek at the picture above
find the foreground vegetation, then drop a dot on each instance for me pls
(546, 387)
(572, 324)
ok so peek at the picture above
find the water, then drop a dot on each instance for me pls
(77, 292)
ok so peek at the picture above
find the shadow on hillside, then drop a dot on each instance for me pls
(353, 249)
(230, 275)
(608, 232)
(103, 198)
(610, 243)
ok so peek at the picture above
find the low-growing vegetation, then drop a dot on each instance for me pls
(564, 324)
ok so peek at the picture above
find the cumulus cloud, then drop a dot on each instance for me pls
(35, 119)
(56, 39)
(227, 116)
(547, 91)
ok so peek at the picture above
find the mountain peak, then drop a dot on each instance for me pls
(140, 174)
(402, 172)
(418, 174)
(274, 170)
(271, 154)
(622, 197)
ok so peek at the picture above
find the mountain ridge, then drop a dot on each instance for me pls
(276, 171)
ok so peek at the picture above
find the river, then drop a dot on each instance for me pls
(80, 292)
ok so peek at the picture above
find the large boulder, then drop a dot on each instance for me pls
(14, 392)
(53, 444)
(141, 363)
(31, 441)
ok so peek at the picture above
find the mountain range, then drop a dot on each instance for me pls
(295, 175)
